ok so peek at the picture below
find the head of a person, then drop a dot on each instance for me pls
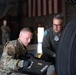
(58, 23)
(25, 35)
(4, 22)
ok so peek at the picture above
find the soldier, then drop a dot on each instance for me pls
(10, 62)
(51, 39)
(5, 32)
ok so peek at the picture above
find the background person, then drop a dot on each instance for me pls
(5, 32)
(51, 39)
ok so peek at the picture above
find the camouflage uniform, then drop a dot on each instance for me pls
(5, 34)
(10, 63)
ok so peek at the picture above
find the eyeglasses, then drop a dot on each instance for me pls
(57, 25)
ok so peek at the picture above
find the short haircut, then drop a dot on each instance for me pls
(59, 16)
(26, 29)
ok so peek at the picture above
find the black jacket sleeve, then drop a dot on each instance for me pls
(47, 46)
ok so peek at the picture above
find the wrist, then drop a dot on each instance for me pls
(20, 63)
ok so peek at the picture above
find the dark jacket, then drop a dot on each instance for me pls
(49, 44)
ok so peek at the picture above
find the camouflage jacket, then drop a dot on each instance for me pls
(5, 29)
(12, 50)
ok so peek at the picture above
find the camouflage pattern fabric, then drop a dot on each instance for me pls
(9, 62)
(5, 33)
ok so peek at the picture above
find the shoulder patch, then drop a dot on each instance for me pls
(45, 33)
(10, 50)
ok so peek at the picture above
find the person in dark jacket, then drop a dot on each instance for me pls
(51, 39)
(5, 32)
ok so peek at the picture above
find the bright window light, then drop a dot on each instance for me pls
(40, 38)
(40, 34)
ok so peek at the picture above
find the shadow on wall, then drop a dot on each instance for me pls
(13, 35)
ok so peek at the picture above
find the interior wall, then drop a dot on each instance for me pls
(70, 10)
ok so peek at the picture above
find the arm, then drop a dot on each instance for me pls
(47, 45)
(10, 63)
(8, 29)
(3, 29)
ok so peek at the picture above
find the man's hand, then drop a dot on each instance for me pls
(26, 63)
